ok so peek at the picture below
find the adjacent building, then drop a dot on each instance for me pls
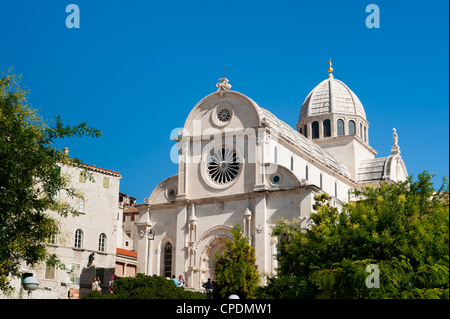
(87, 243)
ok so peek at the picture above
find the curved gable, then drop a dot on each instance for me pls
(245, 113)
(160, 194)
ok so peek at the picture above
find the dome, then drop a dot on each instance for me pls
(331, 96)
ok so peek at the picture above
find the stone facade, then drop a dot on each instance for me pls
(238, 163)
(93, 232)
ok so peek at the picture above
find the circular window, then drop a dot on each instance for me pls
(224, 114)
(275, 179)
(171, 192)
(221, 165)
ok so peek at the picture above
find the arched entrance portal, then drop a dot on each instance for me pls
(210, 244)
(215, 247)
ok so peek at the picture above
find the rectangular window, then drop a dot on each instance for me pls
(75, 274)
(50, 271)
(83, 177)
(80, 205)
(54, 239)
(105, 182)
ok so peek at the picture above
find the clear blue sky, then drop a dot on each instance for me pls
(135, 69)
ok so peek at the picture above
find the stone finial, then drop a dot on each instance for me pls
(395, 148)
(223, 86)
(395, 136)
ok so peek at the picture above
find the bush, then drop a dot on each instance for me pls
(286, 287)
(146, 287)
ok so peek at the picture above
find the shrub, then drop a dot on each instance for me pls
(146, 287)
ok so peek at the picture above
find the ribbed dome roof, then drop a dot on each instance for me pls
(331, 96)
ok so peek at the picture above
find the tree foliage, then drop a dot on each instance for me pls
(403, 228)
(30, 178)
(236, 272)
(146, 287)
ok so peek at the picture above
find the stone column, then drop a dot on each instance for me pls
(260, 159)
(183, 162)
(179, 246)
(192, 239)
(247, 225)
(261, 233)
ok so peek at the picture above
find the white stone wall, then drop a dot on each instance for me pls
(100, 215)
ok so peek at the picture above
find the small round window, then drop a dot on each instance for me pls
(224, 114)
(275, 179)
(171, 192)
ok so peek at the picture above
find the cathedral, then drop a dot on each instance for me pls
(240, 164)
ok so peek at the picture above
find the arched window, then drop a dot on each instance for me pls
(168, 260)
(305, 130)
(326, 128)
(340, 127)
(365, 133)
(335, 190)
(351, 127)
(292, 163)
(315, 129)
(102, 242)
(306, 173)
(360, 131)
(78, 239)
(301, 131)
(321, 186)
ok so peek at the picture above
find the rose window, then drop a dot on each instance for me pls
(223, 165)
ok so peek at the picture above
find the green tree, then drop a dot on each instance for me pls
(146, 287)
(236, 271)
(30, 178)
(403, 228)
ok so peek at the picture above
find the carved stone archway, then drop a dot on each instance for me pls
(211, 243)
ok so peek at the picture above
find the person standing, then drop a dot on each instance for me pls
(181, 281)
(207, 285)
(94, 284)
(174, 278)
(111, 283)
